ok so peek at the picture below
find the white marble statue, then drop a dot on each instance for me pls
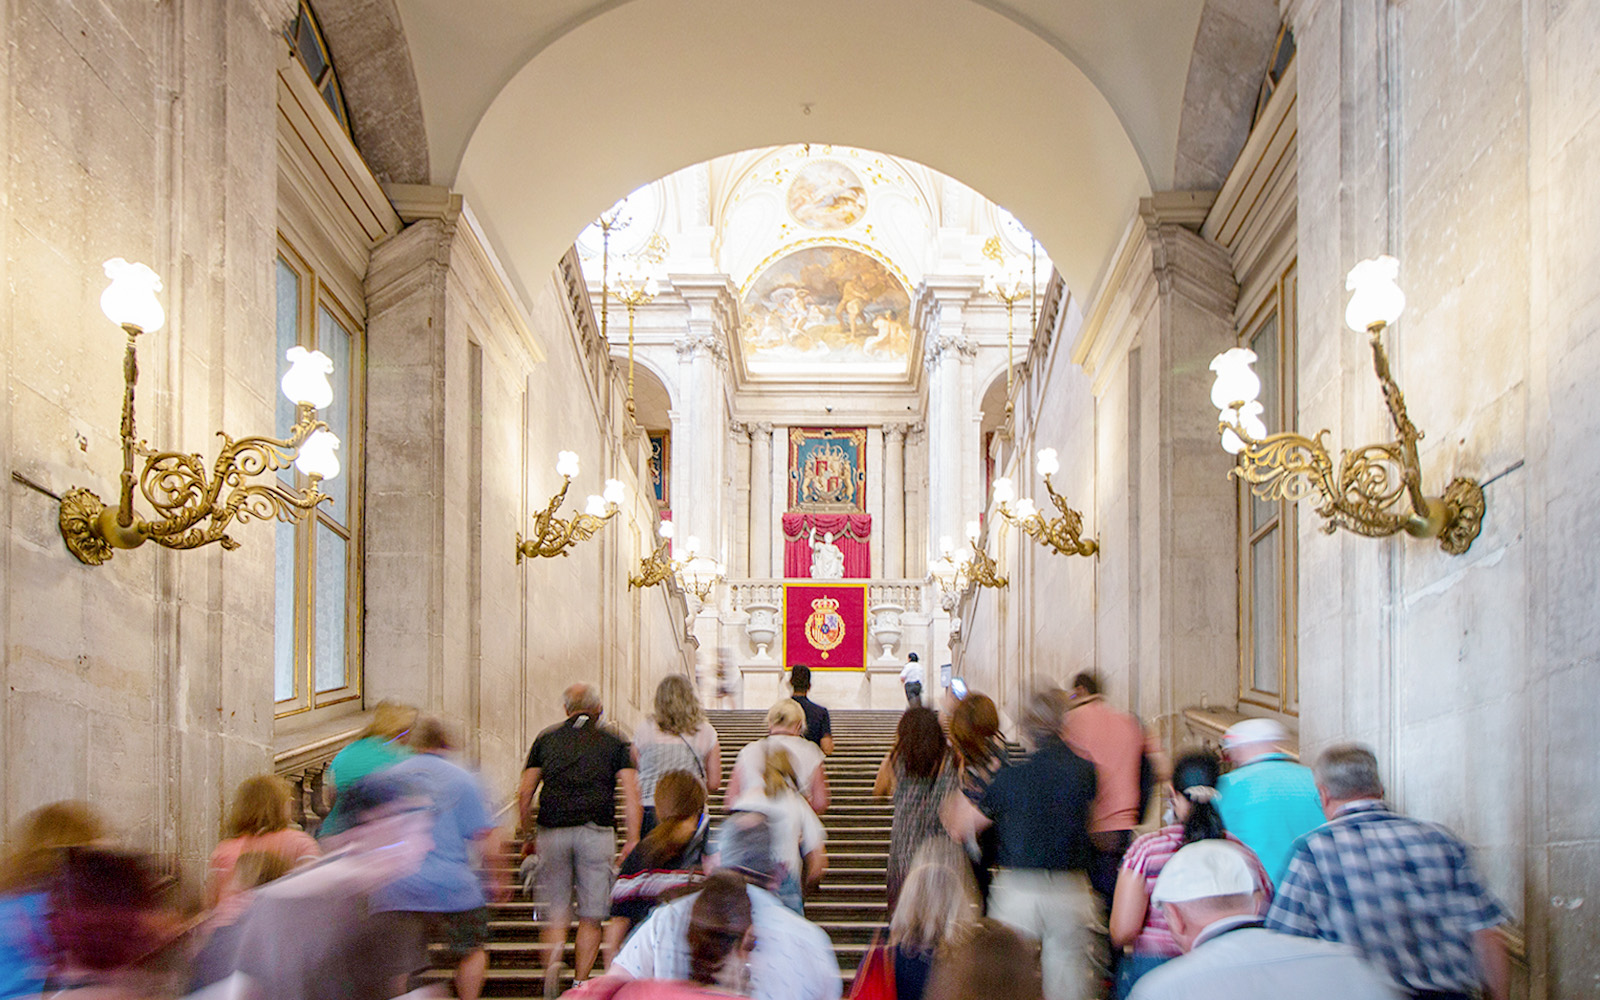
(827, 561)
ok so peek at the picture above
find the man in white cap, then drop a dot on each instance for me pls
(1267, 800)
(1208, 895)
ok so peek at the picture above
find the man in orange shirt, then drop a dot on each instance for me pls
(1114, 742)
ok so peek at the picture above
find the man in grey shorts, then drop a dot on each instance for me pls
(576, 768)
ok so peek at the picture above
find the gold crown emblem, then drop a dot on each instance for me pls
(825, 604)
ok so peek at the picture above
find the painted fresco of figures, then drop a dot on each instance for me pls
(826, 305)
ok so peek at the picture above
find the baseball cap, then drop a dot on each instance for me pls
(1201, 870)
(1254, 731)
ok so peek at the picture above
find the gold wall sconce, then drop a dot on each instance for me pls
(634, 289)
(1360, 495)
(552, 535)
(196, 506)
(695, 574)
(956, 570)
(1063, 535)
(659, 566)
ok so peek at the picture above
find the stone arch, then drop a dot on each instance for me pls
(1229, 60)
(368, 46)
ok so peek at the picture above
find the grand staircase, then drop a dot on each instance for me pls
(850, 904)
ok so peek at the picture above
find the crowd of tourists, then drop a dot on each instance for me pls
(1026, 872)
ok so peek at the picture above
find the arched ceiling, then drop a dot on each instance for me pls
(1066, 111)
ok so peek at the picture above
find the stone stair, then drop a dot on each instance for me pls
(851, 902)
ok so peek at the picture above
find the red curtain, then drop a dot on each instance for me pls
(851, 532)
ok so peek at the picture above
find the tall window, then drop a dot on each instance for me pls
(1267, 543)
(317, 631)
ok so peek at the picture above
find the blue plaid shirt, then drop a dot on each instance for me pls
(1400, 891)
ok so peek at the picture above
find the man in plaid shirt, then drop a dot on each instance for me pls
(1400, 891)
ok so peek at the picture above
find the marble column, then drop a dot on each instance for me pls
(948, 358)
(875, 498)
(703, 359)
(761, 500)
(739, 566)
(780, 495)
(892, 531)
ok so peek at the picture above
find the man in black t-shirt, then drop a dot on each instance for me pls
(576, 768)
(819, 728)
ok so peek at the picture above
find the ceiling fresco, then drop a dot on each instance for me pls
(824, 308)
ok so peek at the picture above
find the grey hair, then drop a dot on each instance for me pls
(581, 698)
(1349, 771)
(1042, 716)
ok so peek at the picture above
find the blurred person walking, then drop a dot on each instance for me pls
(1115, 743)
(445, 899)
(1135, 923)
(676, 738)
(258, 822)
(819, 725)
(938, 905)
(798, 837)
(915, 678)
(917, 771)
(1208, 893)
(785, 722)
(27, 871)
(1267, 800)
(377, 746)
(112, 917)
(991, 962)
(793, 959)
(666, 860)
(576, 769)
(979, 754)
(1040, 810)
(1402, 892)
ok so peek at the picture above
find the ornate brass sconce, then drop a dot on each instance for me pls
(695, 574)
(1360, 496)
(659, 566)
(552, 535)
(1004, 280)
(190, 500)
(634, 290)
(1064, 535)
(956, 570)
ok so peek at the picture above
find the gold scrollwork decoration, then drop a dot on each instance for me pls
(553, 535)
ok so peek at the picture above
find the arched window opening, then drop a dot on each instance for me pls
(304, 34)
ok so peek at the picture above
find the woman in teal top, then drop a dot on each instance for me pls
(378, 746)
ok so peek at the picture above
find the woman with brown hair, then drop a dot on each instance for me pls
(26, 873)
(666, 861)
(917, 772)
(991, 961)
(979, 754)
(258, 822)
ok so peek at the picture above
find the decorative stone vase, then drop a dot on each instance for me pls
(886, 630)
(762, 627)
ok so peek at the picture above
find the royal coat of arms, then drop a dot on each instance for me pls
(825, 627)
(826, 469)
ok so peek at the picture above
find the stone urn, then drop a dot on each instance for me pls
(886, 630)
(762, 628)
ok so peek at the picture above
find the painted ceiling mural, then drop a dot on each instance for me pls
(827, 196)
(823, 307)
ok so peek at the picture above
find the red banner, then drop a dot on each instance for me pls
(825, 625)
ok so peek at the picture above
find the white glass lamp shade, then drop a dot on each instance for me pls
(1004, 491)
(963, 555)
(318, 456)
(596, 506)
(567, 464)
(1026, 509)
(691, 545)
(615, 493)
(947, 545)
(1236, 381)
(130, 299)
(1378, 300)
(666, 529)
(306, 382)
(974, 529)
(1250, 420)
(1048, 464)
(1232, 443)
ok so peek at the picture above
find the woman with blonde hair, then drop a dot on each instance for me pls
(377, 746)
(26, 873)
(938, 905)
(785, 723)
(258, 822)
(676, 738)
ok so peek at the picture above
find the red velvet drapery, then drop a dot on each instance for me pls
(851, 532)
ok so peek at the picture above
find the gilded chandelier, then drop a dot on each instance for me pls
(1064, 534)
(553, 536)
(195, 506)
(1363, 493)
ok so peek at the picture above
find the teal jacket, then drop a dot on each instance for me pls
(1269, 804)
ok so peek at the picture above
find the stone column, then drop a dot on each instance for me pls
(703, 355)
(875, 498)
(948, 359)
(780, 496)
(893, 529)
(761, 500)
(739, 567)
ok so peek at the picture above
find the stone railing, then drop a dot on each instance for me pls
(305, 767)
(909, 595)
